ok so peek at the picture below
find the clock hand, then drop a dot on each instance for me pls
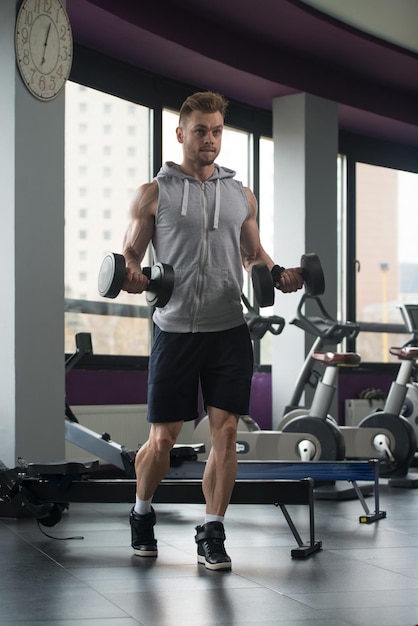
(46, 43)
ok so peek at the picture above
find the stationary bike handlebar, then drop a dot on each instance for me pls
(259, 325)
(323, 325)
(326, 330)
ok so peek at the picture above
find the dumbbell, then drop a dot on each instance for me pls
(113, 271)
(312, 274)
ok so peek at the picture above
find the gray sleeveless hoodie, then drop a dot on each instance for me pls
(197, 231)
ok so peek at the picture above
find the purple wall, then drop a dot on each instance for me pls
(350, 385)
(261, 400)
(106, 387)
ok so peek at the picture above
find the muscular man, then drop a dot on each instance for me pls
(203, 222)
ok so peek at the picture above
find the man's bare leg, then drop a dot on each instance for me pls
(221, 466)
(152, 463)
(218, 483)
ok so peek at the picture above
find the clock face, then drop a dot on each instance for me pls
(44, 48)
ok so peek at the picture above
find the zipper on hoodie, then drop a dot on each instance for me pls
(202, 261)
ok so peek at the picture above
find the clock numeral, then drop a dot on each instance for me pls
(64, 32)
(64, 53)
(42, 83)
(26, 56)
(25, 35)
(28, 18)
(37, 6)
(47, 6)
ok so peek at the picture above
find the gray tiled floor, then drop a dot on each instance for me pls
(365, 574)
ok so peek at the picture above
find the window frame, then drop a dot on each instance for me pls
(381, 153)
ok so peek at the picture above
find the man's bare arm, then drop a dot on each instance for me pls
(138, 235)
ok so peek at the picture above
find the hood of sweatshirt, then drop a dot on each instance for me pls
(172, 169)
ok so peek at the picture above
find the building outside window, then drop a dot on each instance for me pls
(111, 334)
(386, 254)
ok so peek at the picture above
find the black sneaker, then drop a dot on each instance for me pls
(210, 546)
(142, 530)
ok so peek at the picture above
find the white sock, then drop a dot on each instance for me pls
(142, 507)
(213, 518)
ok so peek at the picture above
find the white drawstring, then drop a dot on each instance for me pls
(217, 204)
(185, 197)
(185, 201)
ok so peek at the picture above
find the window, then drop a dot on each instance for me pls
(105, 225)
(386, 254)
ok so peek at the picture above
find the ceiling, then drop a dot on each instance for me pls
(257, 50)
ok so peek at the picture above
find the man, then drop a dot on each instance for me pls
(203, 222)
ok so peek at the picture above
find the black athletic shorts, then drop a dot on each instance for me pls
(220, 362)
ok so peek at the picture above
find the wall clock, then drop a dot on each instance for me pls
(44, 47)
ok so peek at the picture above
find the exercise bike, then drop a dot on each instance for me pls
(328, 332)
(385, 433)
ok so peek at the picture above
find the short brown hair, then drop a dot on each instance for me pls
(205, 101)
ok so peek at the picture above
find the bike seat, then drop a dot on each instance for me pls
(349, 359)
(408, 353)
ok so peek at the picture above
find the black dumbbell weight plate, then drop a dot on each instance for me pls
(161, 277)
(111, 275)
(313, 274)
(263, 285)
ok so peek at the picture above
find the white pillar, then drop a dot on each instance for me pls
(305, 133)
(32, 387)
